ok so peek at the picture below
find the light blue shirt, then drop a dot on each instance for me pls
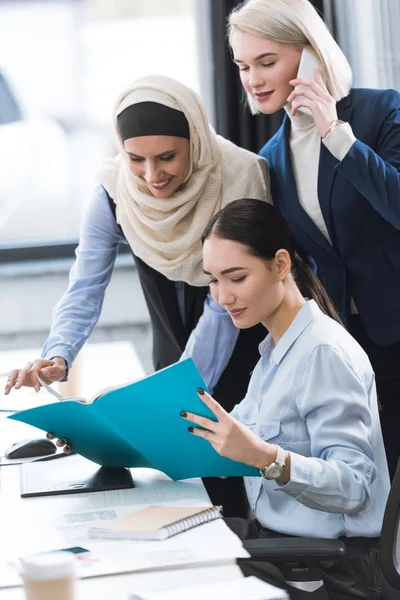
(313, 394)
(76, 314)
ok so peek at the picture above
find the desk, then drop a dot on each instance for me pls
(152, 487)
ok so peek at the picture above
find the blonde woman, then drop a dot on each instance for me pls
(172, 174)
(334, 175)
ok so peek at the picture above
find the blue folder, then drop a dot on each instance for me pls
(138, 425)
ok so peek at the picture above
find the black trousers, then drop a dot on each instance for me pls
(386, 363)
(357, 575)
(228, 492)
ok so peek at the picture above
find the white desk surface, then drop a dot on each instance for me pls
(152, 487)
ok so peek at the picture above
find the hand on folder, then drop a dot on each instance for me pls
(49, 370)
(61, 443)
(228, 436)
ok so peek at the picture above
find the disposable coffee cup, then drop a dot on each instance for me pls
(50, 576)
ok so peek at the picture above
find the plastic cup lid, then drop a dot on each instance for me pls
(51, 565)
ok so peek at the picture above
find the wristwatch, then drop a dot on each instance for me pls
(275, 469)
(332, 126)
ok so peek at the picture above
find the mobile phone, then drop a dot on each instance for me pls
(308, 62)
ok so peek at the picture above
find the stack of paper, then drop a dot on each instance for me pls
(249, 588)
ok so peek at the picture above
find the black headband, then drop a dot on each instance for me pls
(152, 118)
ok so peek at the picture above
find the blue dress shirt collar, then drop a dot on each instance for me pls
(304, 317)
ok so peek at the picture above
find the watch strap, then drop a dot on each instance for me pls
(332, 126)
(280, 456)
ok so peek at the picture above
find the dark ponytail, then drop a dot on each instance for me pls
(262, 229)
(310, 286)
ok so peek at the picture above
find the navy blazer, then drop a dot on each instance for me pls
(360, 203)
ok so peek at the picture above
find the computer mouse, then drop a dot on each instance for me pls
(28, 448)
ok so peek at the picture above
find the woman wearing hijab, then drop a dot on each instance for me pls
(171, 175)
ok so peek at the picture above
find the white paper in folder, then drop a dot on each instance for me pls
(249, 588)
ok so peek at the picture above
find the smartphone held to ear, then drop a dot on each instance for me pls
(308, 63)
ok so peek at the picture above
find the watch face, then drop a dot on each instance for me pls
(274, 472)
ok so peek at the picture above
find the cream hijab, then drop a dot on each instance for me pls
(166, 233)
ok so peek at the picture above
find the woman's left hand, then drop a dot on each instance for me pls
(61, 443)
(314, 96)
(229, 437)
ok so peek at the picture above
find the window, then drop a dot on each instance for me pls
(67, 63)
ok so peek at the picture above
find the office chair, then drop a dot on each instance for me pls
(390, 538)
(298, 559)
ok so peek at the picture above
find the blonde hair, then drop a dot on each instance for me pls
(294, 22)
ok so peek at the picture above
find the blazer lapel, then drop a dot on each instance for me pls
(288, 200)
(345, 108)
(327, 169)
(326, 176)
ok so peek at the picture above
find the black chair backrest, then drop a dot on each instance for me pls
(390, 538)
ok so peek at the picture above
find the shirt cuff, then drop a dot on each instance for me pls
(52, 354)
(300, 475)
(340, 140)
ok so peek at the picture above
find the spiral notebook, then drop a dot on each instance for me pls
(155, 522)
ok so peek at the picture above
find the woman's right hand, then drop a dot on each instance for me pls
(48, 370)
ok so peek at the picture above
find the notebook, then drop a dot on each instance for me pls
(155, 522)
(74, 475)
(138, 425)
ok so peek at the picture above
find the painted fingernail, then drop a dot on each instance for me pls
(190, 429)
(183, 413)
(200, 391)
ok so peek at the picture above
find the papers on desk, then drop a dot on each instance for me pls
(249, 588)
(212, 543)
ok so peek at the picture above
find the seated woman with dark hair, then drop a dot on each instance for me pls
(309, 421)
